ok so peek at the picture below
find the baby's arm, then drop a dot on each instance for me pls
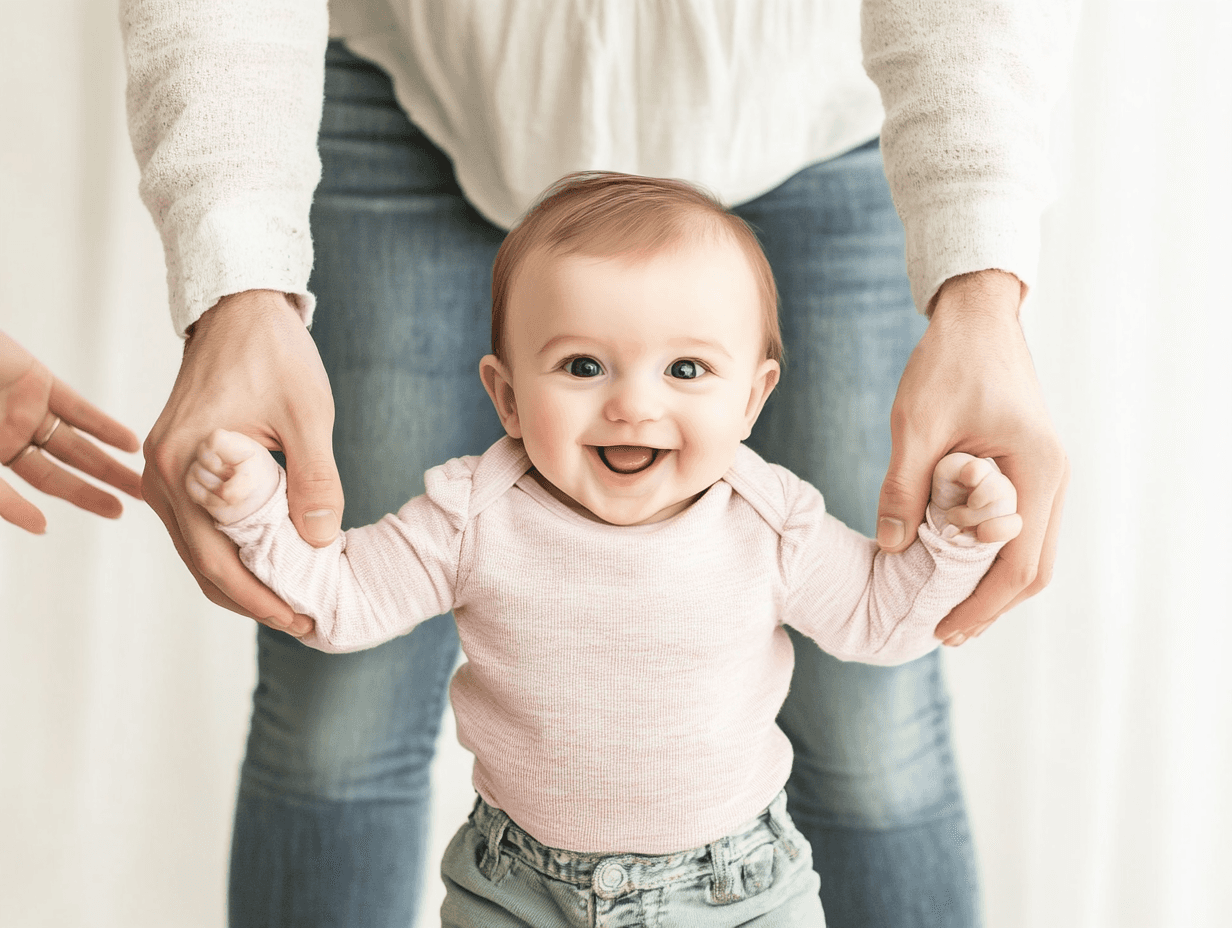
(369, 585)
(860, 603)
(972, 501)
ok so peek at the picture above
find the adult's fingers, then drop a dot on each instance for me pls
(74, 449)
(1017, 567)
(42, 473)
(212, 560)
(1048, 554)
(23, 403)
(906, 488)
(20, 511)
(79, 412)
(153, 489)
(314, 490)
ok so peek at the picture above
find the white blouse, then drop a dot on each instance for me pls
(737, 95)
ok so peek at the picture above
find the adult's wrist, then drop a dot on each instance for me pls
(988, 294)
(248, 305)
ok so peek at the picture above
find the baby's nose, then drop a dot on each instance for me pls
(634, 400)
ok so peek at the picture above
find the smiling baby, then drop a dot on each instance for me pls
(621, 567)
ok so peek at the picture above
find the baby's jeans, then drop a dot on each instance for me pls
(760, 876)
(334, 803)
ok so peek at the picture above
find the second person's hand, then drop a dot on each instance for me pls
(250, 366)
(41, 424)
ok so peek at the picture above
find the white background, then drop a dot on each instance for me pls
(1094, 723)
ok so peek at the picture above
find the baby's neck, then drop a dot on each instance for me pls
(577, 507)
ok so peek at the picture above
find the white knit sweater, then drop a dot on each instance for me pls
(225, 99)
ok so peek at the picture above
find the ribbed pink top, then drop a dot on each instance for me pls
(621, 682)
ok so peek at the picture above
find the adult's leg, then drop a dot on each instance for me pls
(874, 785)
(333, 806)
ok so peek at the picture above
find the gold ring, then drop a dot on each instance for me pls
(55, 424)
(15, 459)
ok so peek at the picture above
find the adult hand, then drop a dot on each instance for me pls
(970, 386)
(249, 366)
(41, 420)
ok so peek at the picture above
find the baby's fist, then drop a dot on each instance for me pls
(232, 476)
(973, 501)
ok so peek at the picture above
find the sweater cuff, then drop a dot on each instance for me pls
(968, 234)
(255, 245)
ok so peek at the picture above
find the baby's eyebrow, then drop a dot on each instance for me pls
(684, 343)
(676, 344)
(556, 340)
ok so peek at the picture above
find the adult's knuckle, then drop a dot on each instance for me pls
(314, 475)
(1066, 468)
(317, 472)
(164, 458)
(151, 488)
(1053, 459)
(312, 410)
(896, 488)
(1021, 576)
(213, 594)
(906, 421)
(212, 565)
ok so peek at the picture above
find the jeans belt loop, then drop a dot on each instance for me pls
(722, 888)
(495, 864)
(776, 818)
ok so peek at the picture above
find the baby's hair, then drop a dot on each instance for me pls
(605, 214)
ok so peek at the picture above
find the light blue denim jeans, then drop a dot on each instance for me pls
(333, 805)
(760, 876)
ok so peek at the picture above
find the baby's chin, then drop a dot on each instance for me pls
(608, 511)
(614, 513)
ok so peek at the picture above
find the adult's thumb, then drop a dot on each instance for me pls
(904, 495)
(314, 492)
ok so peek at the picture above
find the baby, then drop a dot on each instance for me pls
(621, 568)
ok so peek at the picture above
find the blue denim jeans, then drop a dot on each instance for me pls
(333, 805)
(760, 876)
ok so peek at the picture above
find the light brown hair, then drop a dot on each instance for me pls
(605, 214)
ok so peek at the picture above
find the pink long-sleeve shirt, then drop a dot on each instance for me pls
(621, 682)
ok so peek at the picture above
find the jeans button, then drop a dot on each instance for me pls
(609, 878)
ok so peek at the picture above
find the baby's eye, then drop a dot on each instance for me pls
(583, 367)
(685, 370)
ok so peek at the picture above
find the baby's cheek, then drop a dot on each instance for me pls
(711, 445)
(551, 428)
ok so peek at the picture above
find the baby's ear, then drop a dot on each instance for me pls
(764, 380)
(496, 380)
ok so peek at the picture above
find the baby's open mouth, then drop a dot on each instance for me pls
(627, 459)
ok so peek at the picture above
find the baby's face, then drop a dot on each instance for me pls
(632, 381)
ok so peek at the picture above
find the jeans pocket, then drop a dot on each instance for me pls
(757, 869)
(747, 876)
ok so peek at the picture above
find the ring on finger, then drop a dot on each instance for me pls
(51, 430)
(20, 455)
